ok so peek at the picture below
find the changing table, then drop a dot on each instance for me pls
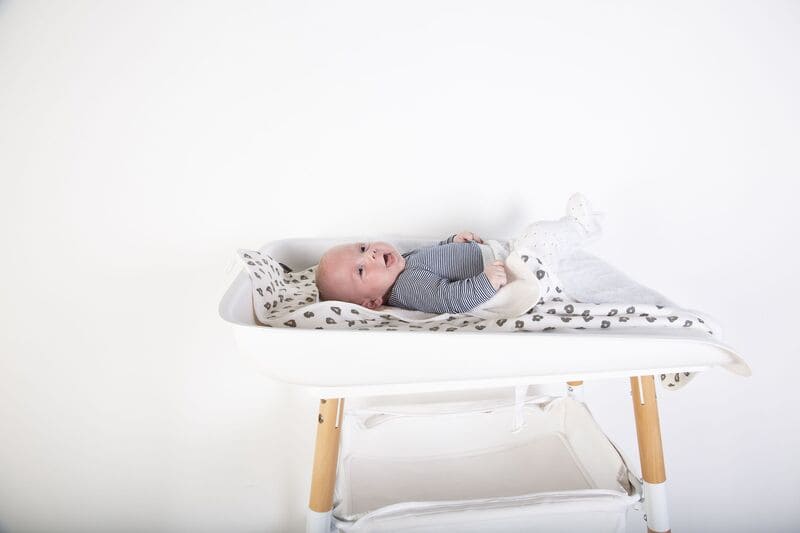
(329, 365)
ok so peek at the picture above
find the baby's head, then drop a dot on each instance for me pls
(361, 273)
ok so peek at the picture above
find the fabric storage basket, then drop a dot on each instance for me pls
(480, 464)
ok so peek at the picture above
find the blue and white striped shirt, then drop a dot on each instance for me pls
(445, 278)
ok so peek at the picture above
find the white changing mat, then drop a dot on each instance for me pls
(583, 341)
(586, 294)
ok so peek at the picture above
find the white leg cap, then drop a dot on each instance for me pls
(317, 522)
(655, 506)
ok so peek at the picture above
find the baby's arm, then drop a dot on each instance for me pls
(464, 236)
(425, 291)
(496, 272)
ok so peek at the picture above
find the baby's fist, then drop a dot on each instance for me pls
(496, 272)
(467, 236)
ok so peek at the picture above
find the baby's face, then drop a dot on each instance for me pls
(361, 272)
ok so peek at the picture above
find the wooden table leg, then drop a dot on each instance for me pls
(326, 456)
(651, 454)
(575, 390)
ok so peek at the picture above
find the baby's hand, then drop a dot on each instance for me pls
(467, 236)
(496, 272)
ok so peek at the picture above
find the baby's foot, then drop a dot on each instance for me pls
(578, 207)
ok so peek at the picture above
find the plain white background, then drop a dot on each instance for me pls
(142, 143)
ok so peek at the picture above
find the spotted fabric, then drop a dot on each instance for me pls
(286, 299)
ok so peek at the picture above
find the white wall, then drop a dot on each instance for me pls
(142, 143)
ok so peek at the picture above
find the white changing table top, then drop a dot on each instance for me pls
(346, 363)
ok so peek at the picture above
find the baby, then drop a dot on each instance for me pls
(447, 278)
(454, 276)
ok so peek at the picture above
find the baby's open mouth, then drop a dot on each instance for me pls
(388, 259)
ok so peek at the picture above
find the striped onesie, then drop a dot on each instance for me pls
(445, 278)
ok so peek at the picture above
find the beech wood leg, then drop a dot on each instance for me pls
(326, 456)
(575, 390)
(651, 454)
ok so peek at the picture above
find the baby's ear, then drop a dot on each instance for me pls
(372, 303)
